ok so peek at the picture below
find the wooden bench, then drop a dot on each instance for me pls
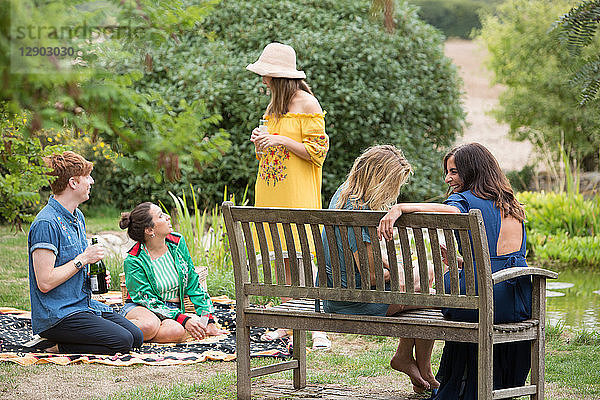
(419, 237)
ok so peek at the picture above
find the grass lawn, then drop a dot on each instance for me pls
(572, 360)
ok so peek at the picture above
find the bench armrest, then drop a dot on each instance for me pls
(515, 272)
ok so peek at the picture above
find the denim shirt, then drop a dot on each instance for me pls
(63, 233)
(350, 205)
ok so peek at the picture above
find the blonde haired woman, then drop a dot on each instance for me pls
(292, 153)
(374, 183)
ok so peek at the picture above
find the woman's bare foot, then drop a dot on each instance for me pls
(423, 349)
(279, 333)
(409, 367)
(430, 378)
(53, 349)
(213, 330)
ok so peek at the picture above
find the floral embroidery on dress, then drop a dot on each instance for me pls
(320, 145)
(272, 165)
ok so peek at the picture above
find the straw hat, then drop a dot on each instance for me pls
(277, 61)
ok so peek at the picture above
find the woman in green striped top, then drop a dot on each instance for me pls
(159, 272)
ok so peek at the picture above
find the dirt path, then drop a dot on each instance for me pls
(479, 99)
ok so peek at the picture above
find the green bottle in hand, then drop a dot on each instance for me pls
(98, 275)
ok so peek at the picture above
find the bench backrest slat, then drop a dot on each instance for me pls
(318, 243)
(264, 253)
(306, 256)
(414, 247)
(421, 258)
(277, 249)
(348, 257)
(250, 252)
(379, 279)
(438, 266)
(365, 273)
(468, 263)
(333, 256)
(393, 260)
(409, 286)
(290, 243)
(452, 261)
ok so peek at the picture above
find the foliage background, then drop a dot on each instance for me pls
(539, 104)
(563, 229)
(455, 18)
(376, 88)
(579, 28)
(95, 97)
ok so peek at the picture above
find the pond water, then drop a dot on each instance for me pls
(574, 300)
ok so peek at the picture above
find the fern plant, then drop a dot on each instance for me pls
(578, 28)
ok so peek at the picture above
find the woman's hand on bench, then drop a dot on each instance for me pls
(386, 224)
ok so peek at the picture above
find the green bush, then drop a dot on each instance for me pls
(520, 180)
(562, 229)
(375, 87)
(22, 170)
(455, 18)
(554, 213)
(562, 250)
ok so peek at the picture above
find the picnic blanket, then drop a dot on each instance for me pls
(15, 332)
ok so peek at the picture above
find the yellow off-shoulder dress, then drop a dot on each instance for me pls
(286, 180)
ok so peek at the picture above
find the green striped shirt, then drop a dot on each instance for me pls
(167, 279)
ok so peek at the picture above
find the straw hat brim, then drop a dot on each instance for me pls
(274, 71)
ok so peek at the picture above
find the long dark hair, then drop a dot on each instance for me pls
(282, 91)
(481, 174)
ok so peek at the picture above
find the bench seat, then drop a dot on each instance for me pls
(301, 315)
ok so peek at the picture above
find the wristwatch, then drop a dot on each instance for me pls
(78, 264)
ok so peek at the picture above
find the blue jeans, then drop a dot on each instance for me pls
(87, 333)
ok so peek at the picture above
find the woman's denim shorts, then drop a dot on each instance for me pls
(131, 305)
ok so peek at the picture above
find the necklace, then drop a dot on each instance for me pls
(160, 252)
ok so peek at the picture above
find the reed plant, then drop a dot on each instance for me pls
(555, 332)
(204, 233)
(114, 264)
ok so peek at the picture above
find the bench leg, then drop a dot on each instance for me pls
(538, 345)
(485, 364)
(300, 355)
(243, 362)
(537, 367)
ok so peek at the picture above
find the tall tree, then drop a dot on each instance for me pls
(538, 103)
(385, 7)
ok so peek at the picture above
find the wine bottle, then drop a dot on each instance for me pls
(98, 275)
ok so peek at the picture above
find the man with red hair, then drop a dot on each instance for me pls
(62, 309)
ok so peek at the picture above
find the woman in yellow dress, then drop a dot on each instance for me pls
(292, 152)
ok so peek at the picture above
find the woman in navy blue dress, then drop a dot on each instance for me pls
(476, 181)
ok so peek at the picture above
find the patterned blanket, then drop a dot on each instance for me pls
(15, 333)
